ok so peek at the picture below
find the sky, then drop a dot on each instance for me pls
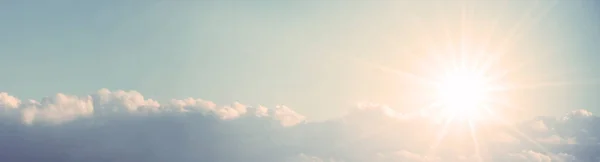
(296, 79)
(282, 52)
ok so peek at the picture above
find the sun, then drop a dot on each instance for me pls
(462, 93)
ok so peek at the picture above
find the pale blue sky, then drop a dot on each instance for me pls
(273, 52)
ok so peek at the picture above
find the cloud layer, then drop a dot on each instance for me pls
(126, 126)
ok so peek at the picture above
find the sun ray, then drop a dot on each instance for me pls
(488, 38)
(498, 103)
(489, 111)
(510, 126)
(502, 74)
(514, 130)
(373, 133)
(429, 39)
(535, 19)
(546, 85)
(406, 75)
(449, 45)
(463, 30)
(515, 34)
(441, 135)
(475, 141)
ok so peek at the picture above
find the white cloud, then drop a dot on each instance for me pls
(125, 125)
(307, 158)
(555, 139)
(407, 156)
(530, 156)
(53, 110)
(539, 126)
(261, 111)
(120, 101)
(533, 156)
(231, 111)
(228, 113)
(504, 138)
(577, 114)
(287, 116)
(190, 104)
(580, 112)
(57, 109)
(61, 107)
(8, 102)
(563, 157)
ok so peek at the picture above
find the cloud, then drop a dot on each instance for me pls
(555, 139)
(307, 158)
(57, 109)
(286, 116)
(54, 110)
(404, 155)
(530, 156)
(8, 102)
(190, 104)
(125, 126)
(578, 114)
(533, 156)
(123, 101)
(539, 126)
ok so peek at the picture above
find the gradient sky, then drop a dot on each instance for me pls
(294, 53)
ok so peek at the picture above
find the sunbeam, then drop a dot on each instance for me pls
(470, 75)
(475, 141)
(548, 84)
(440, 136)
(412, 77)
(510, 126)
(515, 34)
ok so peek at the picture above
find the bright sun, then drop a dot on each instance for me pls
(462, 93)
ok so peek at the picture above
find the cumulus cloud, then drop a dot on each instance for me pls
(125, 126)
(8, 102)
(57, 109)
(539, 126)
(123, 101)
(404, 155)
(533, 156)
(307, 158)
(530, 156)
(190, 104)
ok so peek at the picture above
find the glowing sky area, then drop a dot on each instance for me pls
(144, 80)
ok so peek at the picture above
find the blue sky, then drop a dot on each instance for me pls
(272, 52)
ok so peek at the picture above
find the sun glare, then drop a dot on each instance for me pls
(462, 93)
(467, 75)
